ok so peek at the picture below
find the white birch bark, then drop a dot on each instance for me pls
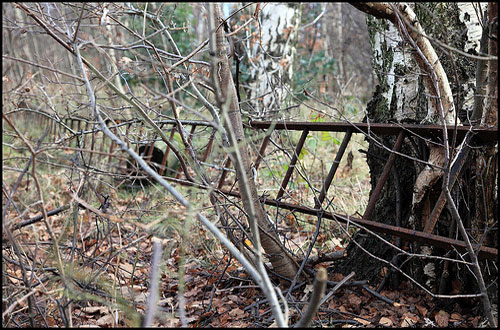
(271, 56)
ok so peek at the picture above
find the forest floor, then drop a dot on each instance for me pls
(107, 268)
(218, 292)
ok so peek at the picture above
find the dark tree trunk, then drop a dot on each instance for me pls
(391, 208)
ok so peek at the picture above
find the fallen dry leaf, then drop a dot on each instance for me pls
(95, 309)
(422, 310)
(171, 323)
(354, 300)
(88, 326)
(455, 317)
(475, 321)
(442, 318)
(237, 313)
(407, 322)
(105, 320)
(126, 269)
(385, 321)
(362, 321)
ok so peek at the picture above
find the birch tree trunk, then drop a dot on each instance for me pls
(398, 96)
(333, 25)
(403, 96)
(271, 55)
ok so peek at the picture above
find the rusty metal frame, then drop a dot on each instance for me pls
(410, 234)
(333, 168)
(432, 132)
(384, 176)
(293, 161)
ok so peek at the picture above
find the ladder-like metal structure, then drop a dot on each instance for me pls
(373, 130)
(431, 132)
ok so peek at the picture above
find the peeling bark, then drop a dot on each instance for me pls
(271, 56)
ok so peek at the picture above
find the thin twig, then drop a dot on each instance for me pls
(332, 291)
(316, 299)
(153, 285)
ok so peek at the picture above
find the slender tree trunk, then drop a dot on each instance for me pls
(281, 261)
(485, 159)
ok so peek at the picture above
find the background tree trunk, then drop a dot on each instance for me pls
(336, 41)
(271, 55)
(398, 96)
(484, 167)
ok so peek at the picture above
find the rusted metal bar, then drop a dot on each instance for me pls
(333, 168)
(164, 159)
(293, 161)
(262, 149)
(435, 240)
(92, 144)
(191, 133)
(441, 202)
(85, 136)
(62, 130)
(121, 160)
(56, 129)
(409, 234)
(209, 146)
(103, 142)
(163, 163)
(190, 136)
(482, 134)
(224, 173)
(50, 128)
(172, 132)
(148, 151)
(53, 129)
(127, 134)
(383, 177)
